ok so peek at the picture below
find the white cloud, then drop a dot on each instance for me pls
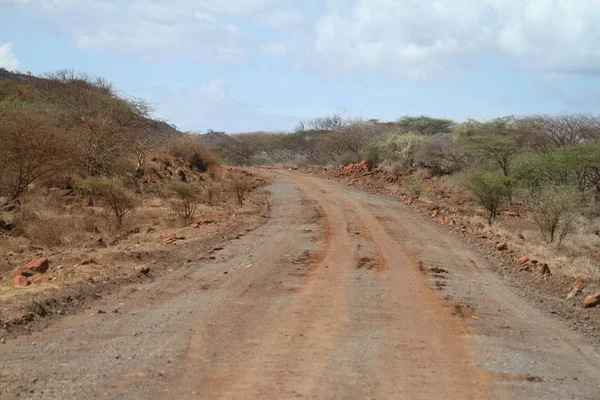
(274, 49)
(213, 105)
(149, 29)
(430, 38)
(8, 59)
(408, 39)
(282, 19)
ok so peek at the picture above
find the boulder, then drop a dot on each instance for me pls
(502, 246)
(523, 260)
(544, 269)
(38, 265)
(33, 267)
(576, 287)
(20, 281)
(21, 271)
(142, 269)
(591, 300)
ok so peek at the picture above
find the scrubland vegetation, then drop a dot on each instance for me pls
(79, 160)
(546, 166)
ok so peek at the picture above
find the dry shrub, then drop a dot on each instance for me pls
(112, 195)
(190, 149)
(46, 222)
(214, 191)
(240, 184)
(185, 199)
(552, 212)
(31, 148)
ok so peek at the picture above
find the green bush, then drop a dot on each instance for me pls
(491, 189)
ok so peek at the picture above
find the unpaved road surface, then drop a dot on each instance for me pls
(340, 295)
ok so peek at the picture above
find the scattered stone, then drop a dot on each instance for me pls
(523, 260)
(20, 281)
(591, 300)
(195, 226)
(21, 271)
(35, 266)
(100, 312)
(520, 236)
(142, 269)
(89, 261)
(169, 238)
(576, 287)
(545, 269)
(502, 246)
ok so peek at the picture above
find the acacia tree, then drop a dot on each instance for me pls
(499, 149)
(31, 148)
(113, 195)
(424, 125)
(545, 133)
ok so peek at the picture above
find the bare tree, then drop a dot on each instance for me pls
(31, 148)
(544, 133)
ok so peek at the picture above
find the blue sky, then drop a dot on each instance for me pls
(247, 65)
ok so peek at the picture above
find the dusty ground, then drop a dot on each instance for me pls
(454, 211)
(340, 294)
(81, 274)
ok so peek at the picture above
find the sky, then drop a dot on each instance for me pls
(249, 65)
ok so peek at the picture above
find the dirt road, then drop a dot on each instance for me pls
(340, 295)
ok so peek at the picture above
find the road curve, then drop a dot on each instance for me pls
(333, 298)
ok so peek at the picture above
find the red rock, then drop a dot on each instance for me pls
(20, 281)
(576, 287)
(38, 265)
(194, 226)
(592, 300)
(545, 269)
(21, 271)
(502, 246)
(523, 260)
(143, 269)
(435, 213)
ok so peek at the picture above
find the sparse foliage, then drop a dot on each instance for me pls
(552, 212)
(240, 184)
(31, 148)
(113, 195)
(185, 199)
(491, 189)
